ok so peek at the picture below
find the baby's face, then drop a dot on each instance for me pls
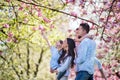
(77, 31)
(58, 45)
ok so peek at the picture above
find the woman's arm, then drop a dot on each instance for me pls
(46, 39)
(65, 65)
(86, 36)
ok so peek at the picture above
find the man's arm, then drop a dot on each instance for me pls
(81, 52)
(100, 68)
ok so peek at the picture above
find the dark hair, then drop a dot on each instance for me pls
(61, 42)
(71, 46)
(85, 26)
(77, 29)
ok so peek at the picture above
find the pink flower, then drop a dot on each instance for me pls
(118, 4)
(41, 28)
(34, 28)
(39, 13)
(46, 20)
(15, 40)
(94, 11)
(6, 25)
(93, 27)
(81, 2)
(21, 8)
(51, 26)
(9, 39)
(74, 14)
(70, 1)
(84, 12)
(101, 19)
(10, 34)
(25, 20)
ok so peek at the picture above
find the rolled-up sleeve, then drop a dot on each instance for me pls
(65, 65)
(53, 50)
(97, 62)
(81, 52)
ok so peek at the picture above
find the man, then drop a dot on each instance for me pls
(85, 55)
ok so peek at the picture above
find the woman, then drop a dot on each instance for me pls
(66, 60)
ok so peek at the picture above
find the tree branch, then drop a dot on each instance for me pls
(38, 64)
(107, 18)
(17, 73)
(28, 63)
(58, 11)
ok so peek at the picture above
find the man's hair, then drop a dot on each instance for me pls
(85, 26)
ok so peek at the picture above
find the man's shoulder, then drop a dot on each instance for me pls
(87, 40)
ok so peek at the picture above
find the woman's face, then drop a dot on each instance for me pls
(65, 45)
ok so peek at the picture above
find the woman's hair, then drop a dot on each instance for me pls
(71, 47)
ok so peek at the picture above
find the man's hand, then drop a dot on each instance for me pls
(56, 71)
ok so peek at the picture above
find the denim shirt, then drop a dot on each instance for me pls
(55, 54)
(86, 56)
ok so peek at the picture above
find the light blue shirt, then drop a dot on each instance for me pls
(65, 66)
(97, 62)
(85, 59)
(54, 58)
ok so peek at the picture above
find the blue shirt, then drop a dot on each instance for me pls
(65, 66)
(97, 62)
(86, 56)
(54, 58)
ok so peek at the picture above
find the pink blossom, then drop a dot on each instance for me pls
(34, 28)
(84, 12)
(10, 34)
(74, 14)
(46, 20)
(39, 13)
(9, 39)
(15, 40)
(93, 27)
(81, 2)
(51, 26)
(25, 20)
(70, 1)
(21, 8)
(6, 25)
(118, 4)
(41, 28)
(94, 11)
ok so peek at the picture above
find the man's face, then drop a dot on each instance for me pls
(81, 31)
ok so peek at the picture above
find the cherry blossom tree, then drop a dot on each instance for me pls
(23, 49)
